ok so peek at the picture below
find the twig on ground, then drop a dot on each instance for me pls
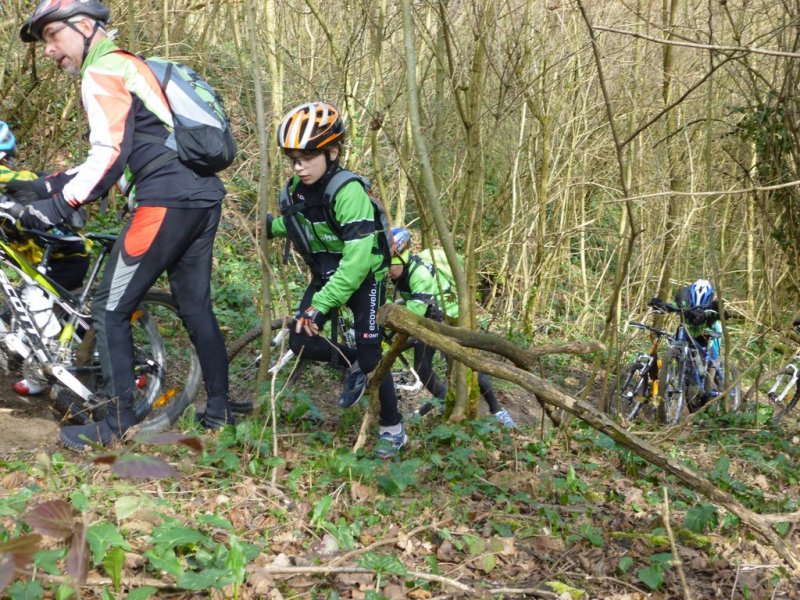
(676, 558)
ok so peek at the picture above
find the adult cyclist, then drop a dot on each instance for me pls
(172, 229)
(423, 290)
(336, 234)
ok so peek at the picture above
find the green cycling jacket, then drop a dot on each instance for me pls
(343, 258)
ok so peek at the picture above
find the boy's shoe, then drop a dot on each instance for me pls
(355, 382)
(390, 444)
(29, 387)
(99, 433)
(505, 419)
(211, 422)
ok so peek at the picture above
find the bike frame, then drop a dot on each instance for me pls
(793, 372)
(50, 359)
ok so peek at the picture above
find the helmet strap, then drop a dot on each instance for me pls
(87, 40)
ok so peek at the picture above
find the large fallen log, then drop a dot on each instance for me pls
(462, 346)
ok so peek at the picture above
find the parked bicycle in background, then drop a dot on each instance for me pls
(691, 373)
(785, 391)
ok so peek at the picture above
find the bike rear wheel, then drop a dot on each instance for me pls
(672, 387)
(166, 367)
(245, 361)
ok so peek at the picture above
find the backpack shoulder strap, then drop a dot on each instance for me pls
(294, 232)
(339, 180)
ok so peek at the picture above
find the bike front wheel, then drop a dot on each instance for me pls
(781, 395)
(245, 363)
(732, 386)
(672, 387)
(166, 368)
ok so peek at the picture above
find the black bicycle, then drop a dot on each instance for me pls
(637, 385)
(689, 377)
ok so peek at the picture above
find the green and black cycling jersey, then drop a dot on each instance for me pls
(342, 253)
(422, 287)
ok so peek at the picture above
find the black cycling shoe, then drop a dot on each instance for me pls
(212, 422)
(355, 382)
(98, 433)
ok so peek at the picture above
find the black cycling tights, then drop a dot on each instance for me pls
(364, 303)
(423, 364)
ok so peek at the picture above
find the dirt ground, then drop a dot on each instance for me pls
(27, 424)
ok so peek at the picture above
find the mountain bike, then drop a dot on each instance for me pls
(785, 392)
(690, 378)
(636, 387)
(245, 360)
(54, 341)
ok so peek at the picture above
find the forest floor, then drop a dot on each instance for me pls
(466, 511)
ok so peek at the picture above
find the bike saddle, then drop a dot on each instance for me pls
(54, 238)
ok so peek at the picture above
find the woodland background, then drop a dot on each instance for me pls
(581, 184)
(583, 156)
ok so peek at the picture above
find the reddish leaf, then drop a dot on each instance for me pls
(7, 569)
(142, 466)
(22, 549)
(78, 556)
(191, 441)
(105, 459)
(54, 519)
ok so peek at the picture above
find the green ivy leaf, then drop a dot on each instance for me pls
(489, 563)
(102, 536)
(127, 506)
(142, 593)
(173, 536)
(205, 579)
(383, 563)
(625, 563)
(651, 576)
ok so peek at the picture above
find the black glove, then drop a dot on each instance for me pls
(10, 206)
(47, 213)
(695, 316)
(657, 303)
(41, 187)
(268, 225)
(310, 320)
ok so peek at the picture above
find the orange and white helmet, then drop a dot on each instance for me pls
(311, 126)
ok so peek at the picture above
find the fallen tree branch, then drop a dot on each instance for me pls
(337, 570)
(401, 320)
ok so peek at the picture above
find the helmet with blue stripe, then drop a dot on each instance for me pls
(8, 143)
(401, 249)
(701, 293)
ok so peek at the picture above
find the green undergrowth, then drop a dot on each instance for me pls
(471, 502)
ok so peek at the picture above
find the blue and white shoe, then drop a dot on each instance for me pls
(390, 444)
(505, 419)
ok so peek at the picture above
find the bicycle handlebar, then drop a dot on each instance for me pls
(658, 332)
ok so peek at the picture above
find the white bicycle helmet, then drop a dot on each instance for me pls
(701, 293)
